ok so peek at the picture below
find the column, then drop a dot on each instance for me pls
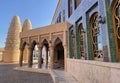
(39, 56)
(21, 57)
(65, 57)
(65, 50)
(51, 57)
(30, 56)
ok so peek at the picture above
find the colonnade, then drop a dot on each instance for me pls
(30, 55)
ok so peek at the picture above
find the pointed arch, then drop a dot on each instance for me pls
(57, 41)
(58, 54)
(116, 25)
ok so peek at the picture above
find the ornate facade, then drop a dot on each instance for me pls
(83, 38)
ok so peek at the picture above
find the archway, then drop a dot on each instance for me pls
(45, 59)
(24, 56)
(58, 55)
(34, 54)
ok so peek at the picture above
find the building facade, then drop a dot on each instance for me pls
(89, 29)
(93, 39)
(83, 39)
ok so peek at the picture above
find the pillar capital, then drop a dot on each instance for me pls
(65, 45)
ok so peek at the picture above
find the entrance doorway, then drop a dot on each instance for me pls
(59, 55)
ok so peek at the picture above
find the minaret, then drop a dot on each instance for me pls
(11, 53)
(27, 25)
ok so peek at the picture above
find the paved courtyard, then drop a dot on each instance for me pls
(9, 75)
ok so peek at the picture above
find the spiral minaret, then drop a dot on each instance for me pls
(11, 53)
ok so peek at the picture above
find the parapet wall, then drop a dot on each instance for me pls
(94, 71)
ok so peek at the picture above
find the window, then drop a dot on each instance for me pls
(96, 38)
(73, 43)
(77, 2)
(117, 21)
(63, 15)
(70, 9)
(82, 42)
(59, 17)
(58, 20)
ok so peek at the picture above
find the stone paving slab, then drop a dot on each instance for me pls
(32, 70)
(60, 76)
(10, 75)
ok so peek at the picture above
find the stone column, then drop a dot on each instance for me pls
(65, 50)
(39, 56)
(30, 56)
(65, 57)
(21, 57)
(51, 57)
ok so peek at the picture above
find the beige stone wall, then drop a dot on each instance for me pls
(94, 71)
(46, 30)
(1, 58)
(25, 56)
(1, 54)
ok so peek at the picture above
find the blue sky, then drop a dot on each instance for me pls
(40, 12)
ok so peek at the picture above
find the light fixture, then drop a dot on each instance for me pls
(101, 19)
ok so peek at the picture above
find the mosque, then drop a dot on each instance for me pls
(83, 39)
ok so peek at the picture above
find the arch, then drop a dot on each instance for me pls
(70, 7)
(82, 41)
(57, 41)
(23, 54)
(45, 53)
(45, 42)
(72, 39)
(93, 15)
(33, 56)
(33, 44)
(23, 45)
(116, 25)
(58, 54)
(97, 51)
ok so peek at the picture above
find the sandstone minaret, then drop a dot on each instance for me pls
(11, 53)
(27, 25)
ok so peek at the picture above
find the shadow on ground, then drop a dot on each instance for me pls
(9, 75)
